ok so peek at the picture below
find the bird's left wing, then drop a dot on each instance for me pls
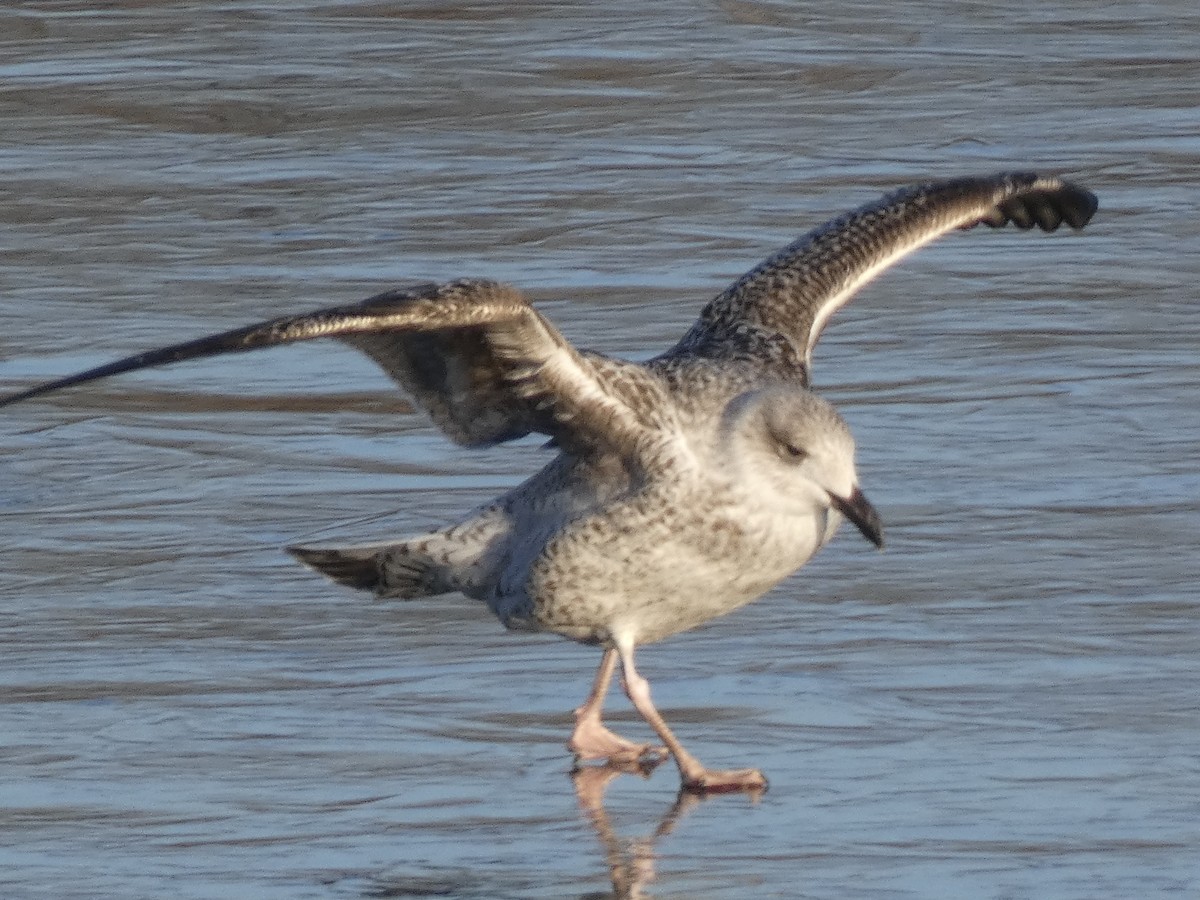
(474, 354)
(789, 297)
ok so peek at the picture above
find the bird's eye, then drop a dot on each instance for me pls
(793, 453)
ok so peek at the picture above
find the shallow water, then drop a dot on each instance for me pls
(1003, 704)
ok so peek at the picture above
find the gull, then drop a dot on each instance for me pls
(683, 487)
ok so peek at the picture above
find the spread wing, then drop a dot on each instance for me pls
(788, 299)
(475, 355)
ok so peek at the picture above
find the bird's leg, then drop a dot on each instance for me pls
(590, 739)
(695, 776)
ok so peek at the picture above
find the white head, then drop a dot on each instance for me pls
(794, 451)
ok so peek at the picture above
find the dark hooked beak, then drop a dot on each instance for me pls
(858, 509)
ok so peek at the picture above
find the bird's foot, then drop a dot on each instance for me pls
(592, 741)
(717, 781)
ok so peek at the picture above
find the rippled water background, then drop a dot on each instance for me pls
(1004, 704)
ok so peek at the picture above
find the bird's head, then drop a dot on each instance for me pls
(795, 452)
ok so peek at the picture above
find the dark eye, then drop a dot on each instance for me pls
(793, 453)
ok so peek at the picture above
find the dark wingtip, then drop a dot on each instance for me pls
(264, 334)
(222, 343)
(47, 387)
(25, 395)
(1081, 205)
(1043, 203)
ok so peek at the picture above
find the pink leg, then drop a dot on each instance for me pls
(695, 776)
(590, 739)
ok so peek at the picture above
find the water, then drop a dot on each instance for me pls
(1001, 705)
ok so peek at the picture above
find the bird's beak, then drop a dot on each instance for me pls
(858, 509)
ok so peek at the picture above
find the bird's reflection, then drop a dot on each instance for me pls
(630, 860)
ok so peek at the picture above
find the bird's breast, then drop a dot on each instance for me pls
(656, 575)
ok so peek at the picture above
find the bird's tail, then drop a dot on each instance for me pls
(388, 570)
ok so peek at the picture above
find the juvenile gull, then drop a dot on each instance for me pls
(683, 488)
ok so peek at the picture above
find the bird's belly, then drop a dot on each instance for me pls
(670, 582)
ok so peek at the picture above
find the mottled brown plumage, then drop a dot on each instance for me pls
(684, 487)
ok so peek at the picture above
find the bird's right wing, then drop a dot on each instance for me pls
(475, 355)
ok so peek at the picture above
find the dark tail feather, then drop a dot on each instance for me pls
(353, 568)
(386, 571)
